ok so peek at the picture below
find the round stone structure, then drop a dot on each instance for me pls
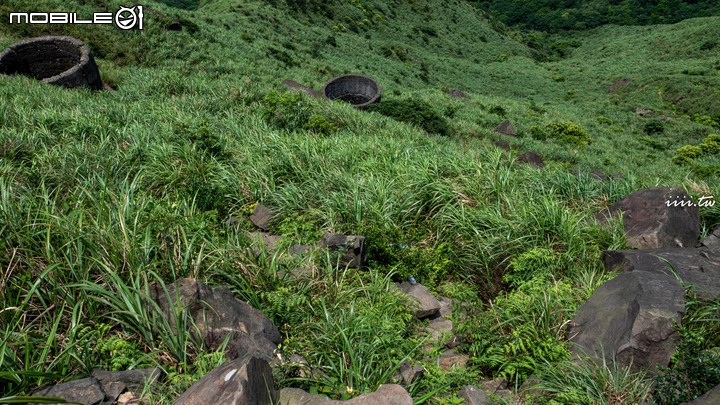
(59, 60)
(358, 90)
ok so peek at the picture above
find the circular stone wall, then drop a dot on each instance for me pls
(62, 61)
(358, 90)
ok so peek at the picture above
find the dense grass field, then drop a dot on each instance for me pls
(103, 192)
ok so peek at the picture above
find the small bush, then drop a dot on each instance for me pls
(320, 125)
(413, 111)
(603, 120)
(711, 144)
(538, 133)
(568, 132)
(686, 154)
(657, 145)
(654, 127)
(703, 172)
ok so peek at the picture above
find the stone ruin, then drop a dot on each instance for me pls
(59, 60)
(358, 90)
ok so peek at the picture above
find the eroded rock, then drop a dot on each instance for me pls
(630, 317)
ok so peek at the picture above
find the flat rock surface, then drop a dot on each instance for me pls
(87, 391)
(426, 304)
(244, 381)
(713, 240)
(473, 395)
(630, 317)
(217, 313)
(652, 219)
(697, 267)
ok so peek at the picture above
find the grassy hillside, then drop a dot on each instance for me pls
(103, 192)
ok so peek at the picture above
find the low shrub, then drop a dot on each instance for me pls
(654, 127)
(568, 132)
(413, 111)
(711, 144)
(686, 154)
(538, 133)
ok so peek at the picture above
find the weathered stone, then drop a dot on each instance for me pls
(426, 304)
(269, 241)
(697, 267)
(712, 241)
(450, 359)
(597, 174)
(711, 397)
(457, 94)
(87, 391)
(473, 395)
(619, 84)
(531, 158)
(652, 221)
(261, 217)
(439, 328)
(410, 373)
(505, 128)
(217, 313)
(503, 145)
(135, 380)
(388, 394)
(528, 387)
(642, 111)
(493, 386)
(243, 381)
(58, 60)
(630, 317)
(295, 86)
(352, 248)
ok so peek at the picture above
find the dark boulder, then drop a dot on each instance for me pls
(87, 391)
(651, 219)
(713, 240)
(217, 313)
(531, 158)
(631, 318)
(697, 267)
(503, 145)
(505, 128)
(457, 94)
(243, 381)
(261, 217)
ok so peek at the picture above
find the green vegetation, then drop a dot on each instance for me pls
(695, 367)
(547, 15)
(103, 193)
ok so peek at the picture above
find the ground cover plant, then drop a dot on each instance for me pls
(103, 193)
